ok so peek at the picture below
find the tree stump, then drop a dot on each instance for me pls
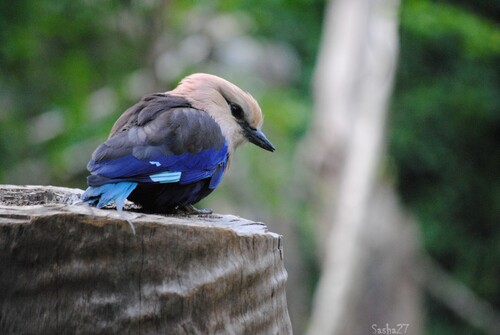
(72, 269)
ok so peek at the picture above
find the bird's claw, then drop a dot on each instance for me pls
(191, 210)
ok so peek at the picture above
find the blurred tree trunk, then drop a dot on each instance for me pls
(369, 243)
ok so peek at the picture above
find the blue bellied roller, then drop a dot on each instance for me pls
(170, 150)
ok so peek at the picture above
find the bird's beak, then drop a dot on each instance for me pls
(258, 138)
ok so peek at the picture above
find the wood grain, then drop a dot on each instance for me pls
(72, 269)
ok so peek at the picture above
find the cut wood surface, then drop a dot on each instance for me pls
(72, 269)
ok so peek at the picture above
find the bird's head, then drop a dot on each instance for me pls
(235, 110)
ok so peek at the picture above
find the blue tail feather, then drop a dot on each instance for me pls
(102, 195)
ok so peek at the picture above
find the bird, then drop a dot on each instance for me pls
(170, 150)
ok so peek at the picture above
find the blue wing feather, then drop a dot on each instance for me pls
(192, 167)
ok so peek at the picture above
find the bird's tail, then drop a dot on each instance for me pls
(102, 195)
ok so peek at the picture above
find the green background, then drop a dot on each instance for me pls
(69, 68)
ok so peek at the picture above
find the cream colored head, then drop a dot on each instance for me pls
(235, 110)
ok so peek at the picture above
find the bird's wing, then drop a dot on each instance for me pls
(162, 139)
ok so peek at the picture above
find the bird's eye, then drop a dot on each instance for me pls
(236, 110)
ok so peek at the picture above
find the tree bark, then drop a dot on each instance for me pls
(79, 270)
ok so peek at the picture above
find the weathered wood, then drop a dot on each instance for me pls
(69, 269)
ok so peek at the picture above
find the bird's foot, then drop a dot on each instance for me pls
(191, 210)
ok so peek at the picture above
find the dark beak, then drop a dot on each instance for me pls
(259, 139)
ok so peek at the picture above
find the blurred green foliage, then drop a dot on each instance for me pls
(445, 131)
(68, 68)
